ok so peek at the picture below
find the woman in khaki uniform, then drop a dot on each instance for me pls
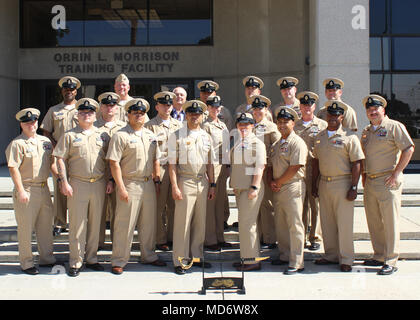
(388, 149)
(192, 180)
(29, 158)
(219, 134)
(267, 132)
(133, 155)
(337, 158)
(248, 159)
(163, 125)
(83, 149)
(286, 172)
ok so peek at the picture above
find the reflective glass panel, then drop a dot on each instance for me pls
(406, 53)
(379, 54)
(377, 16)
(405, 16)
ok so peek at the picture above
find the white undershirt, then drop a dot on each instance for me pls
(375, 127)
(139, 133)
(331, 133)
(166, 122)
(305, 123)
(195, 133)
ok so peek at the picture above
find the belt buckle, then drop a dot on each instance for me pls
(146, 179)
(329, 178)
(42, 184)
(91, 180)
(373, 176)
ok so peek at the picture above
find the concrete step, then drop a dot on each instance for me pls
(409, 250)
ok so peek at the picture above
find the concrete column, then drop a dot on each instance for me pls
(9, 82)
(339, 47)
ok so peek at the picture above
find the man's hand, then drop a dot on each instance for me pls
(252, 193)
(391, 181)
(110, 187)
(176, 193)
(123, 194)
(351, 194)
(211, 193)
(23, 197)
(66, 189)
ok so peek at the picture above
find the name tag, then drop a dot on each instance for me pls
(77, 140)
(133, 141)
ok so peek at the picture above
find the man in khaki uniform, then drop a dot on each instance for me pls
(190, 157)
(288, 91)
(122, 88)
(83, 149)
(134, 161)
(267, 132)
(307, 128)
(29, 158)
(248, 158)
(208, 88)
(59, 119)
(286, 172)
(337, 158)
(220, 139)
(109, 124)
(163, 125)
(388, 149)
(334, 91)
(253, 86)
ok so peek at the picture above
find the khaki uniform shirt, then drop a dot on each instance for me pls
(309, 131)
(245, 156)
(290, 152)
(349, 120)
(84, 153)
(295, 106)
(33, 157)
(220, 139)
(162, 132)
(247, 108)
(383, 146)
(190, 151)
(336, 153)
(225, 116)
(135, 151)
(59, 119)
(267, 131)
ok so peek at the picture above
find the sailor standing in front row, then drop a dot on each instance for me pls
(29, 158)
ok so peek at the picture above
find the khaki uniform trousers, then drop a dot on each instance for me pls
(60, 207)
(288, 206)
(140, 210)
(247, 218)
(36, 215)
(215, 212)
(311, 210)
(266, 215)
(165, 209)
(108, 214)
(336, 214)
(85, 212)
(382, 205)
(190, 219)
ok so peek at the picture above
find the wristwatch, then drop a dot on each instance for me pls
(157, 181)
(212, 185)
(254, 187)
(354, 188)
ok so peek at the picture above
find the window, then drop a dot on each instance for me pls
(115, 23)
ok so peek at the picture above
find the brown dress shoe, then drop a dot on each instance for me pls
(157, 263)
(249, 267)
(117, 270)
(345, 268)
(323, 262)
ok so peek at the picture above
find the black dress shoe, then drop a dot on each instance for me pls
(314, 246)
(95, 266)
(235, 225)
(58, 230)
(249, 267)
(225, 225)
(212, 247)
(162, 247)
(47, 265)
(278, 262)
(200, 264)
(225, 245)
(31, 271)
(373, 263)
(387, 270)
(292, 271)
(323, 262)
(268, 245)
(73, 272)
(179, 270)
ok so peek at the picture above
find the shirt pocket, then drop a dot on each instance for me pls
(80, 149)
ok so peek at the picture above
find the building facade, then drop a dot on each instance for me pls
(161, 44)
